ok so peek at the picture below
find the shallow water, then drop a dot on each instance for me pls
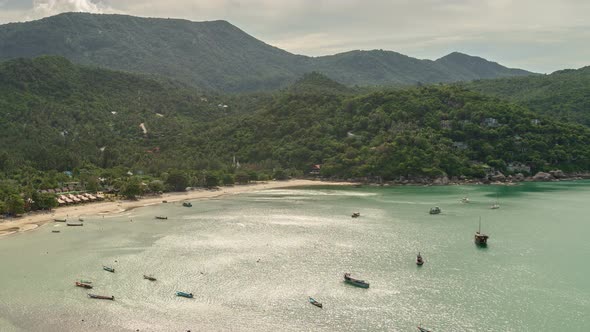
(252, 260)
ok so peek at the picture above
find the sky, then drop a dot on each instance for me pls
(537, 35)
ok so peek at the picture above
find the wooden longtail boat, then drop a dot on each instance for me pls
(314, 302)
(161, 217)
(150, 278)
(355, 282)
(356, 214)
(75, 224)
(60, 220)
(187, 204)
(83, 285)
(109, 269)
(102, 297)
(183, 294)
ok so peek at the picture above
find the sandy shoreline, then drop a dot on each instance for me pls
(34, 220)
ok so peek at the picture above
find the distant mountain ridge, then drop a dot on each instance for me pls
(218, 56)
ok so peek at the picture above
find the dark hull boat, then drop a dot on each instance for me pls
(161, 217)
(83, 285)
(108, 269)
(314, 302)
(183, 294)
(101, 297)
(355, 282)
(480, 239)
(54, 231)
(435, 210)
(75, 224)
(150, 278)
(356, 215)
(187, 204)
(60, 220)
(421, 329)
(419, 260)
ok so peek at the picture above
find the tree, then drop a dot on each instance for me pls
(45, 201)
(156, 186)
(242, 178)
(15, 204)
(177, 180)
(280, 174)
(132, 188)
(211, 180)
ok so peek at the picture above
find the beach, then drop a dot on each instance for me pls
(34, 220)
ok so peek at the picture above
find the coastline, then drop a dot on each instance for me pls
(35, 220)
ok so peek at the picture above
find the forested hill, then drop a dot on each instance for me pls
(428, 131)
(55, 115)
(218, 56)
(563, 95)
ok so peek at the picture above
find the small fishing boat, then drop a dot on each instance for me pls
(150, 278)
(80, 219)
(102, 297)
(55, 231)
(421, 329)
(60, 220)
(480, 238)
(187, 204)
(464, 200)
(419, 260)
(83, 285)
(164, 201)
(161, 217)
(75, 224)
(108, 269)
(495, 206)
(183, 294)
(314, 302)
(85, 281)
(435, 210)
(355, 282)
(356, 214)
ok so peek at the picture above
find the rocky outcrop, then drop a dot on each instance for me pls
(444, 180)
(558, 174)
(542, 176)
(498, 177)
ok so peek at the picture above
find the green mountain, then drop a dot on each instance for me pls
(55, 115)
(218, 56)
(563, 95)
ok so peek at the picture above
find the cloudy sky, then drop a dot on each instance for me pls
(538, 35)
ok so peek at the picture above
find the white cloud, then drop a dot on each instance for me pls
(42, 8)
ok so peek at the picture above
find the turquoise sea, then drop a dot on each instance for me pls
(252, 260)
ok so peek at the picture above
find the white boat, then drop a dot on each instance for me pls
(464, 200)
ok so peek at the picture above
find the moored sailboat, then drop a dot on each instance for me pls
(480, 238)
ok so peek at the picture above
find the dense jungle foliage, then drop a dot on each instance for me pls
(63, 123)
